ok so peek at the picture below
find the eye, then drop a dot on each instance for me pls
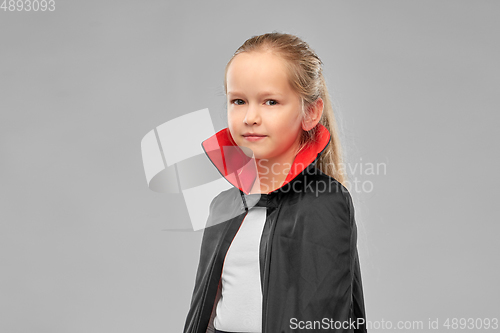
(237, 101)
(272, 101)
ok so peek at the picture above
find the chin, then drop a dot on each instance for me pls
(261, 156)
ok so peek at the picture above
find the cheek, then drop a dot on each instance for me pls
(233, 118)
(231, 121)
(290, 130)
(290, 124)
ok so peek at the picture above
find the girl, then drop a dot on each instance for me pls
(279, 251)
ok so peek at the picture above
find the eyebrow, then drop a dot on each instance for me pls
(265, 93)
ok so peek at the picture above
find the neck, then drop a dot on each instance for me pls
(272, 172)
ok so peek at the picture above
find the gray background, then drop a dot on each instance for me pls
(83, 245)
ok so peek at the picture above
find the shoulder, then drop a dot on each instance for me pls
(224, 197)
(319, 212)
(327, 199)
(225, 206)
(326, 189)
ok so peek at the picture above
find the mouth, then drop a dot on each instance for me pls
(254, 137)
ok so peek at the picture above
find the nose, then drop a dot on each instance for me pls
(252, 115)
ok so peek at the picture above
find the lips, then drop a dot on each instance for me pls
(255, 135)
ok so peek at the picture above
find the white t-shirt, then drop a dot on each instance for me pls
(239, 308)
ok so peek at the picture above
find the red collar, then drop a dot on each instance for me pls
(240, 170)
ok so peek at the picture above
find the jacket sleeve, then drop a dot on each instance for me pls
(315, 274)
(358, 304)
(338, 291)
(358, 299)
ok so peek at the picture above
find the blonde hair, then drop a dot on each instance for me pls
(306, 78)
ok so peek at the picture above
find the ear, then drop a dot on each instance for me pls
(314, 115)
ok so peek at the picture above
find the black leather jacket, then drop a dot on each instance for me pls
(309, 267)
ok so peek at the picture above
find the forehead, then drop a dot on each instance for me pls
(257, 71)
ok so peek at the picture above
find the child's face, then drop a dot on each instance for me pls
(276, 116)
